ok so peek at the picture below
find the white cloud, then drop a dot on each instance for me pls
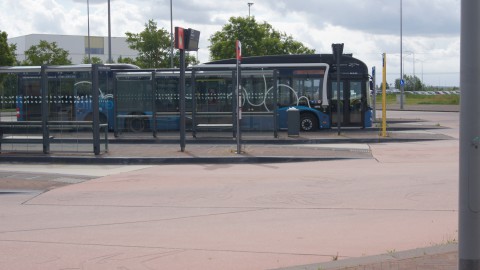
(368, 28)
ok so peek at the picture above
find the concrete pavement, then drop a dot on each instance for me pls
(395, 196)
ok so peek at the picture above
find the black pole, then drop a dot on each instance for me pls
(44, 109)
(234, 103)
(115, 106)
(275, 97)
(194, 104)
(154, 104)
(239, 108)
(96, 109)
(339, 120)
(337, 54)
(182, 100)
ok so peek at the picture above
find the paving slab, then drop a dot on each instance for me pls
(244, 215)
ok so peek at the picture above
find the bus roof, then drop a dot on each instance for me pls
(349, 64)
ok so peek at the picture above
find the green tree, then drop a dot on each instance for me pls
(189, 59)
(412, 83)
(7, 52)
(7, 58)
(125, 60)
(379, 87)
(153, 45)
(46, 53)
(257, 39)
(94, 60)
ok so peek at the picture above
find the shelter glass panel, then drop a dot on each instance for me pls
(257, 100)
(167, 100)
(134, 101)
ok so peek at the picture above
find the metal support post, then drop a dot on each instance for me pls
(154, 104)
(194, 103)
(96, 109)
(374, 94)
(115, 105)
(239, 108)
(337, 54)
(234, 104)
(275, 112)
(238, 96)
(182, 100)
(44, 109)
(469, 202)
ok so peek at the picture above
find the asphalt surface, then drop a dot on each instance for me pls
(317, 201)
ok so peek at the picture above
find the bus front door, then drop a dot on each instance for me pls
(350, 103)
(354, 106)
(337, 110)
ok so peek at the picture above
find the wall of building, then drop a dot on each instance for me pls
(77, 46)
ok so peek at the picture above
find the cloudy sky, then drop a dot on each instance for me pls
(431, 28)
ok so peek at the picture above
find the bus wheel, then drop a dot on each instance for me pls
(308, 122)
(136, 124)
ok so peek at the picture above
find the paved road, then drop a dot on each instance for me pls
(241, 216)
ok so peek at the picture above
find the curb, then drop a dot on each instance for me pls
(375, 259)
(161, 160)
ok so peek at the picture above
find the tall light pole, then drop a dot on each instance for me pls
(88, 25)
(109, 36)
(401, 55)
(171, 35)
(413, 59)
(421, 61)
(249, 5)
(414, 80)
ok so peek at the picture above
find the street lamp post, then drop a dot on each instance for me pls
(88, 26)
(171, 35)
(109, 36)
(414, 79)
(421, 62)
(413, 59)
(401, 55)
(249, 5)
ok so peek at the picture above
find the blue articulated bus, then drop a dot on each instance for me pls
(136, 100)
(309, 84)
(149, 99)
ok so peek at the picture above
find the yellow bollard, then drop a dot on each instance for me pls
(384, 96)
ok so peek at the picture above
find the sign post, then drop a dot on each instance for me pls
(337, 54)
(185, 40)
(238, 48)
